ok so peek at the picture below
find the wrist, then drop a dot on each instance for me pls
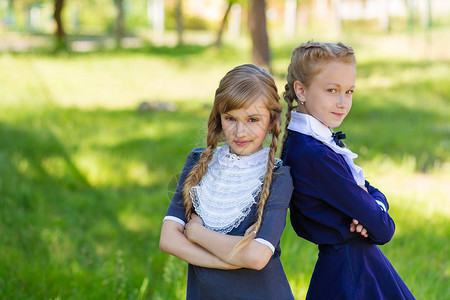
(191, 232)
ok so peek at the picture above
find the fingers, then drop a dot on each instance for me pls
(364, 232)
(251, 229)
(356, 226)
(352, 227)
(364, 188)
(359, 228)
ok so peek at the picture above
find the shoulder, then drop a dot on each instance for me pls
(192, 159)
(308, 150)
(197, 151)
(281, 178)
(311, 157)
(280, 170)
(195, 154)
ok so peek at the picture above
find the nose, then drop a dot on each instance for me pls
(240, 129)
(344, 100)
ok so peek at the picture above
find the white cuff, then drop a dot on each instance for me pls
(264, 242)
(178, 220)
(381, 204)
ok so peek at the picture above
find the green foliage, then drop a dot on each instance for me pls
(85, 179)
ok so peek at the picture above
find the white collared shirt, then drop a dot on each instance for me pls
(307, 124)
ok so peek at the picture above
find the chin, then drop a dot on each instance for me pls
(334, 124)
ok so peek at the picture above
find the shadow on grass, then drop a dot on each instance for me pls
(69, 233)
(84, 193)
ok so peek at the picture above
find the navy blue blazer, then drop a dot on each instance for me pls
(326, 197)
(325, 200)
(270, 282)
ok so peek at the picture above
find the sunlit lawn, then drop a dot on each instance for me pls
(85, 179)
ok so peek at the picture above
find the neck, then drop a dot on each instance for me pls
(301, 109)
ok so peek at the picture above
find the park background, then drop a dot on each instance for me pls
(102, 100)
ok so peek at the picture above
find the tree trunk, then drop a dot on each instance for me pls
(258, 30)
(222, 25)
(61, 42)
(179, 16)
(290, 17)
(337, 17)
(410, 8)
(429, 15)
(10, 14)
(156, 15)
(119, 23)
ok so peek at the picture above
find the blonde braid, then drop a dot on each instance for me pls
(267, 181)
(265, 191)
(288, 96)
(194, 178)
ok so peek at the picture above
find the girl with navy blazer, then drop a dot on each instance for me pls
(229, 209)
(330, 192)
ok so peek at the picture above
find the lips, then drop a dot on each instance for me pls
(241, 143)
(339, 115)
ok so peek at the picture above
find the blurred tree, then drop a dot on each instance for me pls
(410, 7)
(10, 13)
(156, 15)
(179, 18)
(223, 23)
(426, 14)
(119, 23)
(290, 17)
(61, 40)
(258, 31)
(336, 16)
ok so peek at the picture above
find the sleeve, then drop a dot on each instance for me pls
(176, 210)
(379, 197)
(275, 210)
(336, 186)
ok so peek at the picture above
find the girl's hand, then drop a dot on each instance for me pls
(356, 226)
(190, 226)
(195, 219)
(251, 230)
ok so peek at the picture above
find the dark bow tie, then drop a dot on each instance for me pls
(337, 137)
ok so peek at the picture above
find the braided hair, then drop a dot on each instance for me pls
(239, 88)
(307, 61)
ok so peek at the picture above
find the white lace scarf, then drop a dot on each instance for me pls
(309, 125)
(227, 191)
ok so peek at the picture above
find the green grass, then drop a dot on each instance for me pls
(85, 179)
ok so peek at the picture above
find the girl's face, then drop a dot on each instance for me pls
(329, 96)
(246, 128)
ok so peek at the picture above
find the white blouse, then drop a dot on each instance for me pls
(309, 125)
(229, 188)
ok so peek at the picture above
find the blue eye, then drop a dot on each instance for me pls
(252, 120)
(228, 118)
(349, 92)
(332, 91)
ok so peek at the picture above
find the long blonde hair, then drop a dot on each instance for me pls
(239, 88)
(307, 61)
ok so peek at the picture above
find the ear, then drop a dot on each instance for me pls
(299, 90)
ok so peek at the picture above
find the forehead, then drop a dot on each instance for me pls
(256, 107)
(337, 72)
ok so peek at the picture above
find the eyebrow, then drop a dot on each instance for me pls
(337, 84)
(257, 115)
(250, 115)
